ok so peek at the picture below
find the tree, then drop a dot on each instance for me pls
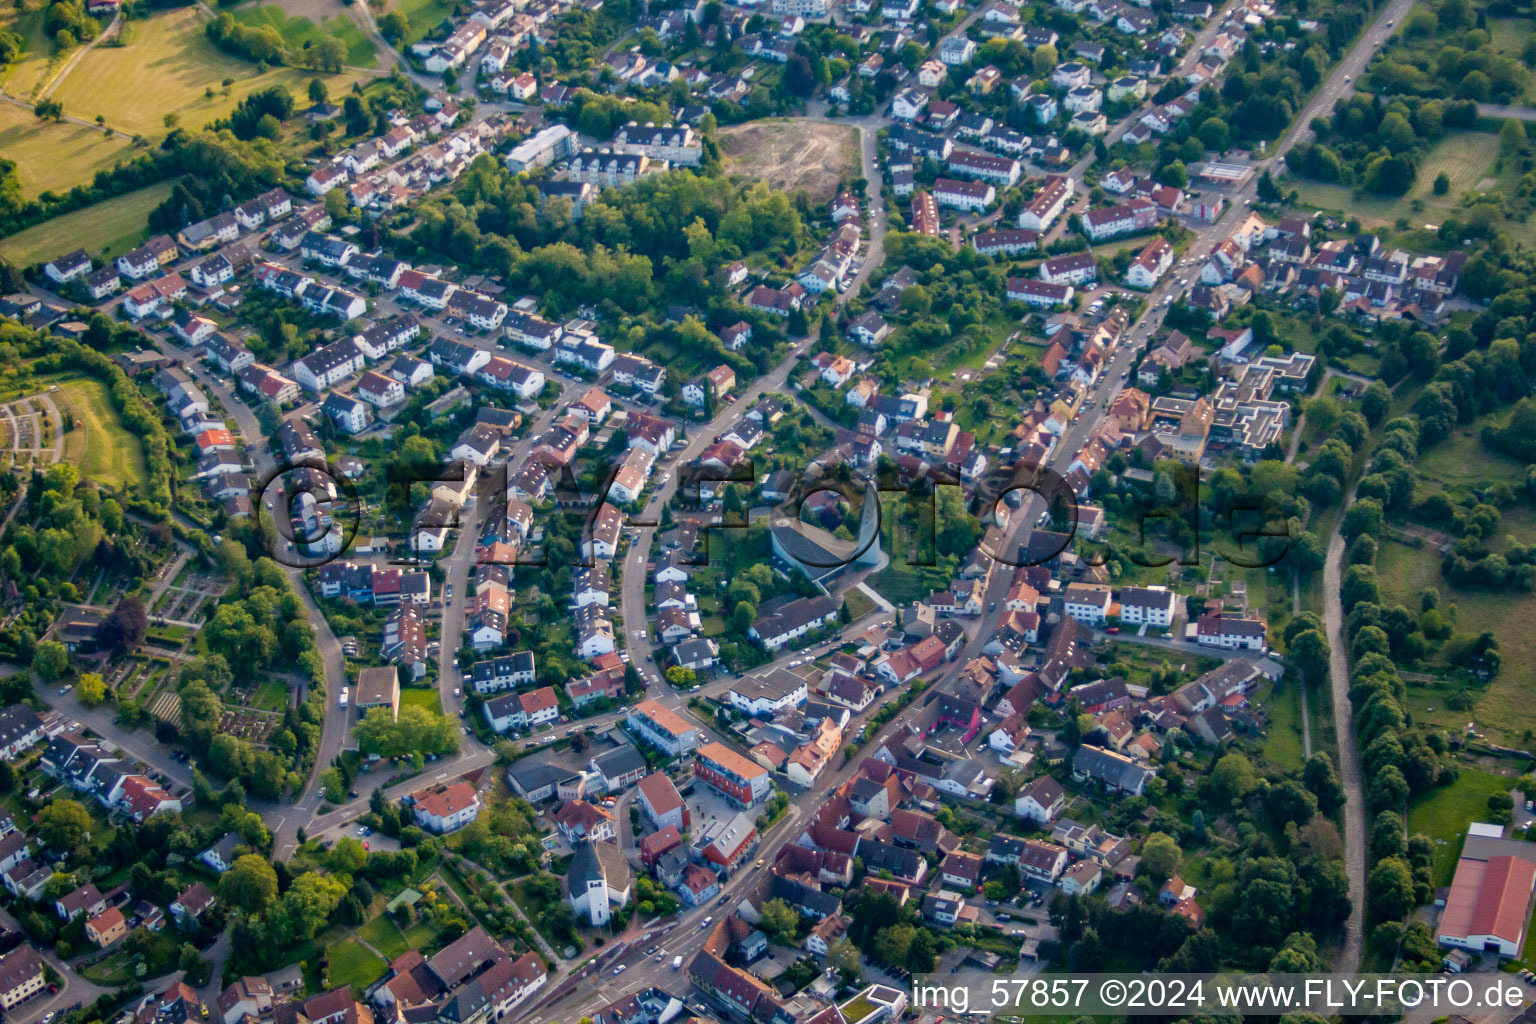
(1044, 60)
(1233, 777)
(1375, 401)
(250, 884)
(1309, 651)
(418, 730)
(1322, 779)
(1512, 135)
(1388, 788)
(318, 92)
(1391, 888)
(308, 904)
(50, 659)
(779, 921)
(92, 689)
(124, 629)
(1160, 854)
(847, 958)
(1299, 955)
(64, 824)
(1214, 134)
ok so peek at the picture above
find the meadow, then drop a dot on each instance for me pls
(299, 32)
(1501, 708)
(56, 156)
(25, 77)
(1444, 813)
(1465, 158)
(189, 74)
(98, 442)
(111, 227)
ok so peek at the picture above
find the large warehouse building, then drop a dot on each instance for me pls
(1490, 899)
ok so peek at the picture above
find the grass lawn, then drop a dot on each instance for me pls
(421, 698)
(112, 227)
(859, 605)
(1464, 459)
(299, 32)
(1283, 744)
(384, 935)
(352, 964)
(55, 156)
(1466, 158)
(99, 442)
(1502, 707)
(419, 934)
(1444, 813)
(270, 696)
(423, 15)
(172, 50)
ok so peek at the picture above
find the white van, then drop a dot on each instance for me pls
(343, 696)
(677, 963)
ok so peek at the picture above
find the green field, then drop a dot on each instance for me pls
(171, 50)
(299, 33)
(352, 964)
(1444, 813)
(424, 16)
(26, 76)
(1508, 36)
(1502, 709)
(99, 443)
(1466, 158)
(1283, 746)
(383, 935)
(112, 227)
(421, 698)
(271, 695)
(56, 156)
(1463, 459)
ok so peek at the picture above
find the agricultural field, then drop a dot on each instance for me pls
(56, 156)
(793, 155)
(171, 49)
(111, 227)
(98, 442)
(299, 31)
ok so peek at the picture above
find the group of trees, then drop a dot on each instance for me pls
(1398, 757)
(266, 45)
(67, 24)
(260, 626)
(663, 240)
(1376, 144)
(1446, 51)
(891, 933)
(417, 730)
